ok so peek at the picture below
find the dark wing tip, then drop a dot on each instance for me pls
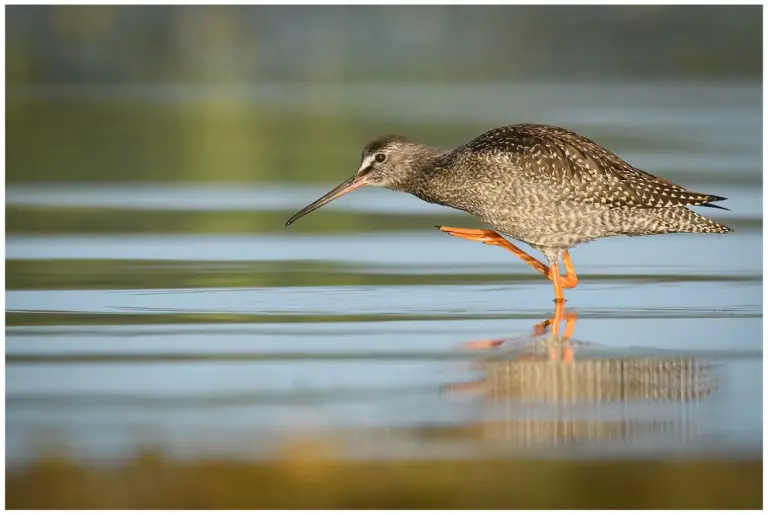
(707, 204)
(715, 198)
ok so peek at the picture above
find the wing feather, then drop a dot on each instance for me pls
(582, 169)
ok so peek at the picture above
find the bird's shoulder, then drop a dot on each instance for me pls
(580, 168)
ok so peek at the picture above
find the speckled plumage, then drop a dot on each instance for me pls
(542, 185)
(550, 188)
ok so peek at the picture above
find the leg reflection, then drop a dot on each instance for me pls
(560, 314)
(532, 392)
(557, 345)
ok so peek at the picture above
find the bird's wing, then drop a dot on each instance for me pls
(580, 169)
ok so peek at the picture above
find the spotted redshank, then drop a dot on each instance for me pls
(546, 186)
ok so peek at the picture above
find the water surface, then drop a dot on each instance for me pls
(183, 314)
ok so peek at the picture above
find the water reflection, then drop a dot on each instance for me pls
(552, 390)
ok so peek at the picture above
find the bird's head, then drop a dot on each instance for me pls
(388, 162)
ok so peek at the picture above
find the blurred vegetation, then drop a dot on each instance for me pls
(128, 140)
(219, 44)
(143, 93)
(118, 139)
(305, 475)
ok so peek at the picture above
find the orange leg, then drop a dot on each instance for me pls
(570, 280)
(494, 238)
(550, 272)
(554, 275)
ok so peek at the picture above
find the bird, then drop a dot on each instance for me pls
(542, 185)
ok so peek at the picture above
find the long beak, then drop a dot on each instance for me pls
(345, 187)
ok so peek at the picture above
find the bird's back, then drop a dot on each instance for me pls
(574, 167)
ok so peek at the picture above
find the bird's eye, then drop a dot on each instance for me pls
(380, 157)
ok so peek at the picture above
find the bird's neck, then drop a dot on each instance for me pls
(426, 162)
(436, 182)
(422, 167)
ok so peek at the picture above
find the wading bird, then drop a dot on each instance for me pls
(546, 186)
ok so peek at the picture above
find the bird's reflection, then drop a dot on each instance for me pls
(552, 389)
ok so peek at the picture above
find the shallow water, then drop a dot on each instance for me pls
(144, 314)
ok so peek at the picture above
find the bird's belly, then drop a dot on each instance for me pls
(555, 225)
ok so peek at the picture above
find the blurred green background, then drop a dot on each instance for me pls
(119, 93)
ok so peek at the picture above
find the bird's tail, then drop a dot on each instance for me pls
(688, 221)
